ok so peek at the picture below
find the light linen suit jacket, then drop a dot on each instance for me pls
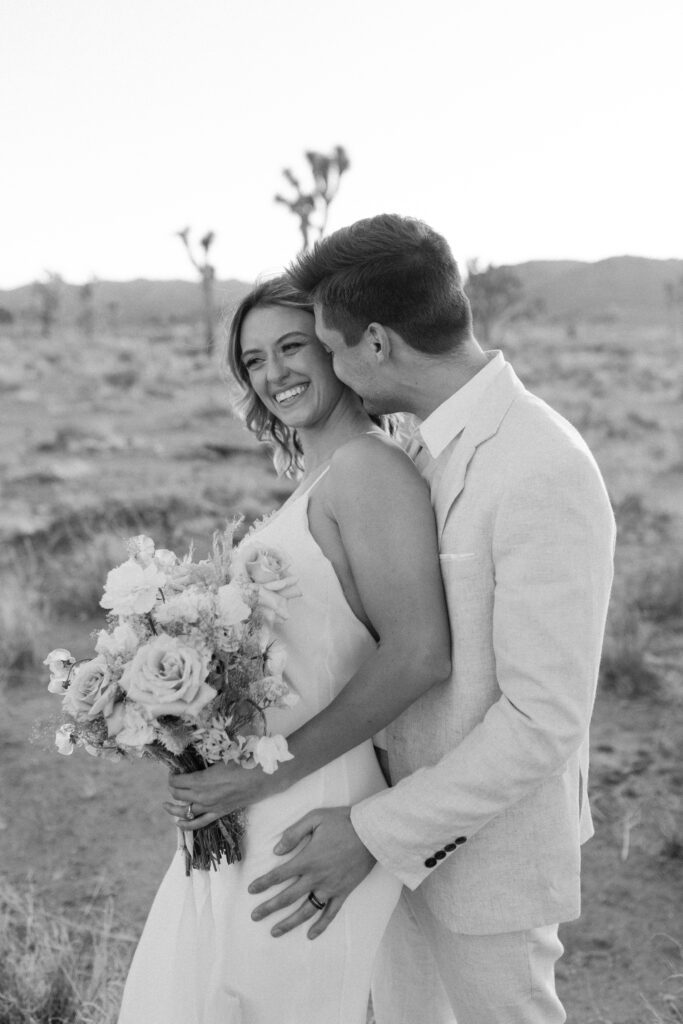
(489, 806)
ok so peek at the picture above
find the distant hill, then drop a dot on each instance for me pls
(130, 303)
(623, 288)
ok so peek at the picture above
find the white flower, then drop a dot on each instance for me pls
(276, 657)
(269, 750)
(231, 607)
(60, 663)
(214, 743)
(268, 570)
(276, 691)
(60, 654)
(141, 549)
(262, 565)
(129, 726)
(132, 590)
(166, 677)
(92, 690)
(64, 739)
(122, 642)
(165, 560)
(186, 607)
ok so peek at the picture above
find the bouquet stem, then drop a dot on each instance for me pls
(212, 842)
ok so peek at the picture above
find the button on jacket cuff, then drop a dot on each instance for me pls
(408, 868)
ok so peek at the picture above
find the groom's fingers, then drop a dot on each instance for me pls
(292, 836)
(283, 899)
(302, 914)
(327, 917)
(292, 868)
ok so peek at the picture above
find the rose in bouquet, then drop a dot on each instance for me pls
(185, 670)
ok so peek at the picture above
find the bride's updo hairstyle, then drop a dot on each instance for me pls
(288, 455)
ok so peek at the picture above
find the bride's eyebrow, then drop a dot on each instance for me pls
(284, 337)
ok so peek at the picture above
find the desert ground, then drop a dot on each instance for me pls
(117, 434)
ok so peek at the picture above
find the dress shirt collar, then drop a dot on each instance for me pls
(451, 417)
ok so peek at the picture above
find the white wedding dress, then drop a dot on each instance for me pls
(201, 959)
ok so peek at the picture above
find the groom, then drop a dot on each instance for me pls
(488, 807)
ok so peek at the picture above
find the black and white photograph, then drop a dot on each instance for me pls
(341, 512)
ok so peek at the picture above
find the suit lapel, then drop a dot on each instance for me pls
(485, 422)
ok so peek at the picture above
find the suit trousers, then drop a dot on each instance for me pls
(426, 972)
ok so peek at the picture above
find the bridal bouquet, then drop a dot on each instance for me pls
(185, 669)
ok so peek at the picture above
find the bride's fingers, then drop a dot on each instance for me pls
(199, 817)
(179, 791)
(181, 807)
(199, 821)
(326, 918)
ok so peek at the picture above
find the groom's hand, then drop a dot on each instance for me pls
(331, 862)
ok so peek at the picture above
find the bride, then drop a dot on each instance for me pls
(368, 635)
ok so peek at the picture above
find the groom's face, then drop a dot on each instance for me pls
(351, 363)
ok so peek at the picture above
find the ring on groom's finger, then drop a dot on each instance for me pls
(318, 904)
(188, 813)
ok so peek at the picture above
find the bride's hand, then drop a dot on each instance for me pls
(201, 797)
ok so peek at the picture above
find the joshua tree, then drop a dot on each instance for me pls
(48, 293)
(312, 208)
(494, 293)
(113, 315)
(207, 272)
(673, 292)
(86, 313)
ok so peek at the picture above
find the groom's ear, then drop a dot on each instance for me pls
(378, 340)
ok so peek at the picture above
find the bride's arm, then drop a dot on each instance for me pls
(382, 509)
(385, 519)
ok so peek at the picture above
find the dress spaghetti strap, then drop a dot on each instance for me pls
(317, 480)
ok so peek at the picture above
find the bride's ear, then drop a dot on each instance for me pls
(378, 340)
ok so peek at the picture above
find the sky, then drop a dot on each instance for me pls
(533, 129)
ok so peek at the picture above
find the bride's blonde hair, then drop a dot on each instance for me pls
(288, 454)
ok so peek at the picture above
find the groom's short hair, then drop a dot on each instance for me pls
(393, 270)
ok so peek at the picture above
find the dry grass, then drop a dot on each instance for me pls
(660, 594)
(22, 618)
(626, 667)
(57, 971)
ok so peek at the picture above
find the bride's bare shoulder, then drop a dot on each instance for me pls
(374, 462)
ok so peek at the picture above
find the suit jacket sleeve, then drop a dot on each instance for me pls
(552, 551)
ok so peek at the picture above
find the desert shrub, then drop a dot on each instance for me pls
(670, 1009)
(625, 668)
(63, 568)
(69, 529)
(123, 379)
(73, 584)
(56, 971)
(22, 618)
(660, 592)
(637, 522)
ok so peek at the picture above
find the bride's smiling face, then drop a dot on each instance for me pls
(288, 369)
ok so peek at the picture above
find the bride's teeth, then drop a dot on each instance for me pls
(282, 396)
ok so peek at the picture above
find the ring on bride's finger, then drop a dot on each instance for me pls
(188, 813)
(318, 904)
